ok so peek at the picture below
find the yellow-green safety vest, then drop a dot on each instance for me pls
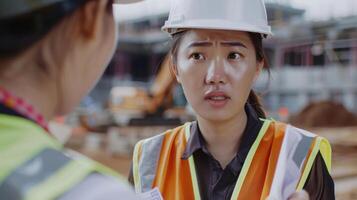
(34, 166)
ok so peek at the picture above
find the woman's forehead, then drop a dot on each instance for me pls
(215, 37)
(207, 34)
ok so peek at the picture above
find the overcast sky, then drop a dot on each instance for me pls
(315, 9)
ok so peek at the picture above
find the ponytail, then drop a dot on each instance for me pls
(254, 101)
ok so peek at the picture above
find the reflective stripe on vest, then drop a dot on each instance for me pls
(278, 148)
(34, 166)
(31, 173)
(144, 174)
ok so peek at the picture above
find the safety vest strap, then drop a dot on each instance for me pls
(191, 161)
(31, 173)
(46, 171)
(20, 140)
(145, 165)
(42, 177)
(73, 173)
(249, 159)
(157, 162)
(136, 158)
(322, 145)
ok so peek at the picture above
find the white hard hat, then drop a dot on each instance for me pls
(240, 15)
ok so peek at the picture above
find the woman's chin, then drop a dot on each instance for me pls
(216, 116)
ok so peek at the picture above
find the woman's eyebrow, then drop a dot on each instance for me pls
(206, 43)
(234, 43)
(200, 44)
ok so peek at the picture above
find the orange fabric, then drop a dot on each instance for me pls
(260, 175)
(173, 174)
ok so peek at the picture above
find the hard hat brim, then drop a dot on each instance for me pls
(212, 24)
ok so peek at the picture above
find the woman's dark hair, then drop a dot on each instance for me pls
(20, 32)
(257, 41)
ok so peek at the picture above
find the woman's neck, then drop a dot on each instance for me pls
(223, 138)
(23, 80)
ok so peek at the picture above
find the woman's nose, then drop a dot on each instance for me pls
(216, 73)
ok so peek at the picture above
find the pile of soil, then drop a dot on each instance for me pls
(324, 114)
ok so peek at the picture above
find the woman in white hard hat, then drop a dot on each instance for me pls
(51, 54)
(231, 151)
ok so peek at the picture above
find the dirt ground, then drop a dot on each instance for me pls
(324, 114)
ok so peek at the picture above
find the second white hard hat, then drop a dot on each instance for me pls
(240, 15)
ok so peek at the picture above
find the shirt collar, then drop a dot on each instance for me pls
(196, 141)
(17, 106)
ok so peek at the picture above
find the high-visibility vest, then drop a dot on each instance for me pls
(34, 166)
(279, 149)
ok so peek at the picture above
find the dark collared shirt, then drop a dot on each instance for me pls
(6, 110)
(218, 183)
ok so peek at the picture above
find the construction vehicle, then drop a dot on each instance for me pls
(153, 106)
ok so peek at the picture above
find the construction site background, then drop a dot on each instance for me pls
(312, 85)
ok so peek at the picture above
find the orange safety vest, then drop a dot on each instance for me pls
(277, 164)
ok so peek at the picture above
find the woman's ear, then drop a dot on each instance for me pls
(174, 69)
(259, 68)
(177, 77)
(91, 17)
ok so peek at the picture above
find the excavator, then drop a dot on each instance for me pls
(153, 106)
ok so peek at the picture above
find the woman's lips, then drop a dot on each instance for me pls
(217, 99)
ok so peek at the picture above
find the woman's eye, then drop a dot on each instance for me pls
(234, 56)
(197, 56)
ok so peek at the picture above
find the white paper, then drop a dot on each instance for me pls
(153, 194)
